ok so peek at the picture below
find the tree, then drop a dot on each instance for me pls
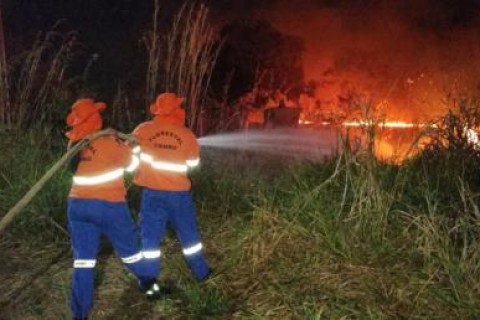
(257, 55)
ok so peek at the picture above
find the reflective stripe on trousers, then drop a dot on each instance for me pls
(87, 220)
(176, 208)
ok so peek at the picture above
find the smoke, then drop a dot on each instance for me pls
(418, 57)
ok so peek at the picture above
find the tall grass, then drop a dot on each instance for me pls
(186, 56)
(38, 79)
(153, 42)
(191, 54)
(4, 87)
(120, 115)
(29, 156)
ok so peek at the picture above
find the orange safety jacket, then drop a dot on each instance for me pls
(168, 151)
(101, 169)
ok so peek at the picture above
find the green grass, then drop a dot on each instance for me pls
(347, 239)
(29, 156)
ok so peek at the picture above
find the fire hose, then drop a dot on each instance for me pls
(17, 208)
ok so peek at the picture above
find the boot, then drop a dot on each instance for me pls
(150, 288)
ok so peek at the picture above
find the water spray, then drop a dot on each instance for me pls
(301, 143)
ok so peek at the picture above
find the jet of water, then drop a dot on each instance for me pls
(304, 143)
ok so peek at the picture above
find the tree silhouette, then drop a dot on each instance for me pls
(257, 55)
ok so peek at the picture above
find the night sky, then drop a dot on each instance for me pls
(421, 46)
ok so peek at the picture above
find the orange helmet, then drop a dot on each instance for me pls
(85, 118)
(83, 109)
(166, 103)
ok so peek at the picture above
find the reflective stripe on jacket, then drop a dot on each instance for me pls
(101, 169)
(168, 152)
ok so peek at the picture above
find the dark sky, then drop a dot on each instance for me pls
(425, 47)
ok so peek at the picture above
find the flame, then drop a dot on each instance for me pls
(472, 137)
(394, 145)
(386, 124)
(361, 123)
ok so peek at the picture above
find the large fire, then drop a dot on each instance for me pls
(394, 141)
(421, 61)
(412, 60)
(388, 54)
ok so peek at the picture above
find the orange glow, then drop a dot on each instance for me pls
(383, 59)
(382, 53)
(387, 124)
(394, 143)
(397, 150)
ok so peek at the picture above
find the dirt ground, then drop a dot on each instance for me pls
(35, 284)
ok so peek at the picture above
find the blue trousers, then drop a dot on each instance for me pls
(177, 209)
(88, 219)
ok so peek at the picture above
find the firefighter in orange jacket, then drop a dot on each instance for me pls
(97, 206)
(168, 151)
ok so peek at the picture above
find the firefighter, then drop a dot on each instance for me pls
(168, 151)
(97, 206)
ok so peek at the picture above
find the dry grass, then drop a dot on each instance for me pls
(34, 278)
(4, 86)
(40, 78)
(192, 53)
(121, 113)
(186, 57)
(153, 42)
